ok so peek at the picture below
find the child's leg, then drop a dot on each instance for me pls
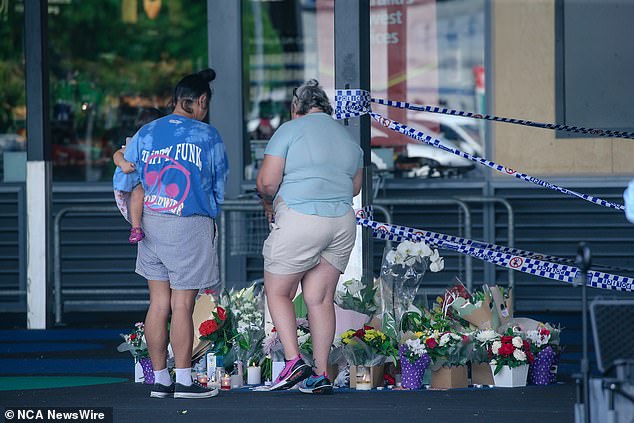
(136, 206)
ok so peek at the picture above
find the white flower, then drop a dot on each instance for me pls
(406, 248)
(416, 347)
(493, 361)
(302, 338)
(410, 261)
(425, 250)
(437, 266)
(486, 335)
(517, 342)
(444, 339)
(519, 355)
(456, 337)
(434, 256)
(353, 286)
(390, 257)
(496, 347)
(537, 338)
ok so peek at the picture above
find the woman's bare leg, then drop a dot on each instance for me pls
(280, 291)
(318, 286)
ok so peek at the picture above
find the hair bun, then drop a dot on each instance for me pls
(207, 74)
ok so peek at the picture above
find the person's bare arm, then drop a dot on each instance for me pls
(269, 180)
(119, 161)
(357, 182)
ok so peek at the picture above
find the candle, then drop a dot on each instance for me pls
(202, 378)
(254, 375)
(364, 379)
(225, 382)
(236, 381)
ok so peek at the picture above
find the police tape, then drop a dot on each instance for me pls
(551, 126)
(351, 103)
(528, 262)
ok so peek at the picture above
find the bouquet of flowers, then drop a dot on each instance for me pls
(447, 348)
(367, 346)
(356, 296)
(401, 275)
(475, 309)
(134, 342)
(247, 309)
(218, 330)
(509, 350)
(414, 360)
(482, 342)
(272, 345)
(546, 348)
(248, 319)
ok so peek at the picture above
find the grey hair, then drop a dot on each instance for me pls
(309, 95)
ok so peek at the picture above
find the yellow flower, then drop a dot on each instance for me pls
(419, 334)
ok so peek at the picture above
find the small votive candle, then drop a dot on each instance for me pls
(254, 375)
(202, 378)
(225, 382)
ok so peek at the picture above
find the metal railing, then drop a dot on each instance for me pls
(252, 207)
(59, 292)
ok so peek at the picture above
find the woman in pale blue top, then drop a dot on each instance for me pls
(311, 170)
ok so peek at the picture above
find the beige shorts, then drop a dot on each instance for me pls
(298, 241)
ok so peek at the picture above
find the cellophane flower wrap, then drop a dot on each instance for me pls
(367, 346)
(357, 296)
(402, 272)
(134, 342)
(546, 348)
(219, 328)
(509, 350)
(248, 315)
(272, 345)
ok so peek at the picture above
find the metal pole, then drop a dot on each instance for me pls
(510, 224)
(352, 70)
(584, 259)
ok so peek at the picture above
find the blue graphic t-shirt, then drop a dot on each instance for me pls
(182, 164)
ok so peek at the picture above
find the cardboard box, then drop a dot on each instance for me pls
(376, 375)
(481, 374)
(450, 377)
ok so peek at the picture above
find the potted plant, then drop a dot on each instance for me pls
(510, 356)
(414, 360)
(546, 348)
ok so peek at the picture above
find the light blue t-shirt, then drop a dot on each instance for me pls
(182, 164)
(321, 160)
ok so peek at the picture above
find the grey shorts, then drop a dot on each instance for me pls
(298, 241)
(181, 250)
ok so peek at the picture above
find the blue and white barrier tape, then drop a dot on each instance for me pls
(344, 100)
(553, 126)
(531, 264)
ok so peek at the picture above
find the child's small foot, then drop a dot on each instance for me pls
(136, 235)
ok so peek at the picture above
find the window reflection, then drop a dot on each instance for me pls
(422, 51)
(281, 49)
(107, 61)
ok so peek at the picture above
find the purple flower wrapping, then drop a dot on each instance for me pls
(148, 371)
(412, 373)
(540, 370)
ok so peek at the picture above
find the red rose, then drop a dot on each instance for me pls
(366, 327)
(530, 357)
(544, 332)
(506, 350)
(222, 314)
(506, 339)
(208, 327)
(465, 339)
(389, 379)
(431, 343)
(133, 336)
(527, 346)
(360, 333)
